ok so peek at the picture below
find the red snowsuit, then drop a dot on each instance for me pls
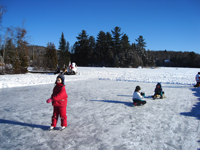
(59, 97)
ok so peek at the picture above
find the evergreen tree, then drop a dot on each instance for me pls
(125, 48)
(51, 56)
(82, 36)
(141, 51)
(125, 42)
(101, 48)
(141, 44)
(74, 53)
(110, 54)
(116, 61)
(64, 56)
(9, 52)
(117, 40)
(82, 49)
(132, 57)
(192, 57)
(109, 40)
(90, 58)
(150, 59)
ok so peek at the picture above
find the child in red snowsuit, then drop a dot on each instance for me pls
(59, 102)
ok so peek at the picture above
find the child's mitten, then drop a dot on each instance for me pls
(143, 94)
(49, 100)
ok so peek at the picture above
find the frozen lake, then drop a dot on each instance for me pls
(101, 117)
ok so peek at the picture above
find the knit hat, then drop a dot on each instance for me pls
(137, 88)
(62, 77)
(159, 84)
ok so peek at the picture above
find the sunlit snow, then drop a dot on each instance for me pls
(100, 112)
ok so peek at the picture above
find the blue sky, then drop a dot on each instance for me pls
(164, 24)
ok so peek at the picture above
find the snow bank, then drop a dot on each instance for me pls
(184, 76)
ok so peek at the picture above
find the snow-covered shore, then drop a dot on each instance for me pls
(184, 76)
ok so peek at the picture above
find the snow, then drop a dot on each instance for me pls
(100, 113)
(183, 76)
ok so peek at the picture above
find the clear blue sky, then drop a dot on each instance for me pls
(164, 24)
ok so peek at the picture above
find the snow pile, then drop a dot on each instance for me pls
(185, 76)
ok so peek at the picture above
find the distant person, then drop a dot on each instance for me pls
(158, 91)
(70, 66)
(197, 78)
(137, 97)
(59, 102)
(57, 70)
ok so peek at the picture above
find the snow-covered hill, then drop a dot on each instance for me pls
(100, 112)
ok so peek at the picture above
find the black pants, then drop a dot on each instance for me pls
(138, 102)
(197, 85)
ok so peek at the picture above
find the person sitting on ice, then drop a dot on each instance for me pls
(158, 91)
(137, 97)
(197, 78)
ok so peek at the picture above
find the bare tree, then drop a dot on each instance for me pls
(2, 11)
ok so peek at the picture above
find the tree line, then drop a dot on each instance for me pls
(110, 49)
(16, 58)
(14, 51)
(50, 58)
(113, 50)
(176, 59)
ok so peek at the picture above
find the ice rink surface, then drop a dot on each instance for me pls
(101, 116)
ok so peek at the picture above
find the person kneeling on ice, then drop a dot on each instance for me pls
(197, 78)
(59, 102)
(137, 97)
(158, 91)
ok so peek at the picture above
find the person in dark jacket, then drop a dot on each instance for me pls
(59, 102)
(197, 78)
(158, 91)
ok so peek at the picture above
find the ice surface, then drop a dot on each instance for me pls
(100, 113)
